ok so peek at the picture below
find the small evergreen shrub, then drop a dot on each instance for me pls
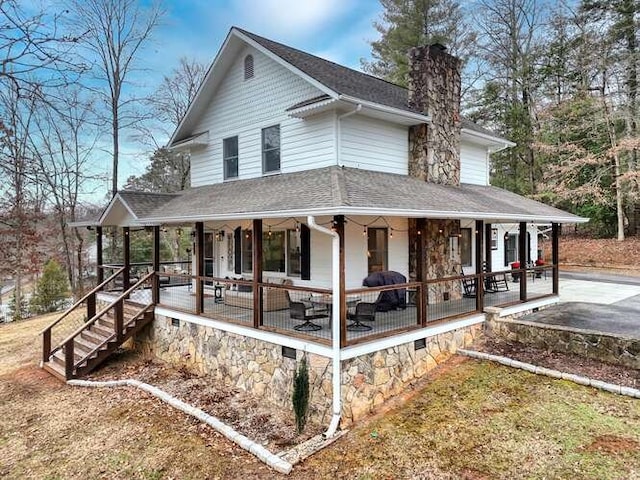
(301, 394)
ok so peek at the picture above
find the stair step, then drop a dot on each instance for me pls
(56, 370)
(84, 345)
(106, 321)
(101, 329)
(59, 357)
(93, 336)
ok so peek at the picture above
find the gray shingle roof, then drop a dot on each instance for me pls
(338, 78)
(142, 204)
(336, 190)
(346, 81)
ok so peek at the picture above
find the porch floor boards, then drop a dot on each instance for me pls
(182, 298)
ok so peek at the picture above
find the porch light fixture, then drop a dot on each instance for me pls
(297, 227)
(364, 231)
(179, 231)
(391, 233)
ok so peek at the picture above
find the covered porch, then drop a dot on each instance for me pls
(300, 303)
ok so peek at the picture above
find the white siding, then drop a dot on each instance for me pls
(355, 250)
(374, 144)
(497, 256)
(243, 108)
(474, 166)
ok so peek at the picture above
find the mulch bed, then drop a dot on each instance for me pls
(248, 415)
(564, 362)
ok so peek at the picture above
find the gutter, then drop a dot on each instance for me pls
(417, 117)
(335, 327)
(339, 132)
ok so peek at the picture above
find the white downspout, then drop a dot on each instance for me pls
(335, 323)
(339, 133)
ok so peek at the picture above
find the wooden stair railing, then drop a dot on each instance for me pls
(90, 299)
(90, 344)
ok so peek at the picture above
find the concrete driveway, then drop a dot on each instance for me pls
(604, 303)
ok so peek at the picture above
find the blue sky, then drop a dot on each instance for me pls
(338, 30)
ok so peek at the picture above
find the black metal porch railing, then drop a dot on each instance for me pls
(305, 312)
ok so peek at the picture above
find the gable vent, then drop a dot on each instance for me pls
(248, 67)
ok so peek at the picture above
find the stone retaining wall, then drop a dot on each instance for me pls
(259, 366)
(609, 348)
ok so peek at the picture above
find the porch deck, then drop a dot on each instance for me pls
(183, 299)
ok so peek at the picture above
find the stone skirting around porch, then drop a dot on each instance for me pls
(259, 366)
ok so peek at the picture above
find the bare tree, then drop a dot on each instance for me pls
(18, 212)
(114, 33)
(170, 171)
(63, 140)
(33, 52)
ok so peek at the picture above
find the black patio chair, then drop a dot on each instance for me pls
(365, 311)
(299, 311)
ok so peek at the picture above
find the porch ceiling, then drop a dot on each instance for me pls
(339, 190)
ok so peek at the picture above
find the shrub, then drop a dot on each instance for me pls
(52, 289)
(301, 394)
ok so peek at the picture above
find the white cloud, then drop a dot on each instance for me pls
(290, 18)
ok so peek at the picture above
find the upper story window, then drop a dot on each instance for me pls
(271, 149)
(248, 67)
(230, 157)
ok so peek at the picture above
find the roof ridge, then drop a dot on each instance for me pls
(143, 192)
(320, 58)
(338, 186)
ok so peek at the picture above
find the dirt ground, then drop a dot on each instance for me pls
(237, 408)
(467, 419)
(566, 362)
(604, 254)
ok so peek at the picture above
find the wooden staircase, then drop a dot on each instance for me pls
(97, 338)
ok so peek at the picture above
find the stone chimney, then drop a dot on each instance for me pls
(434, 89)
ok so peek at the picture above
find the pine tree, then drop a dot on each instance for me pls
(18, 310)
(52, 288)
(413, 23)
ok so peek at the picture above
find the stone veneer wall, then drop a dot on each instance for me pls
(371, 379)
(258, 366)
(246, 363)
(434, 89)
(613, 349)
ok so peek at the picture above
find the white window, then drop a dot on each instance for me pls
(271, 149)
(230, 157)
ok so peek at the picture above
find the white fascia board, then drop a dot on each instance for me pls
(258, 334)
(198, 140)
(372, 211)
(416, 118)
(201, 88)
(320, 86)
(499, 142)
(116, 199)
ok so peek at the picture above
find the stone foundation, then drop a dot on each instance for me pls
(608, 348)
(369, 380)
(259, 366)
(245, 363)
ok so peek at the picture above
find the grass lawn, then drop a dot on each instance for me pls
(472, 420)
